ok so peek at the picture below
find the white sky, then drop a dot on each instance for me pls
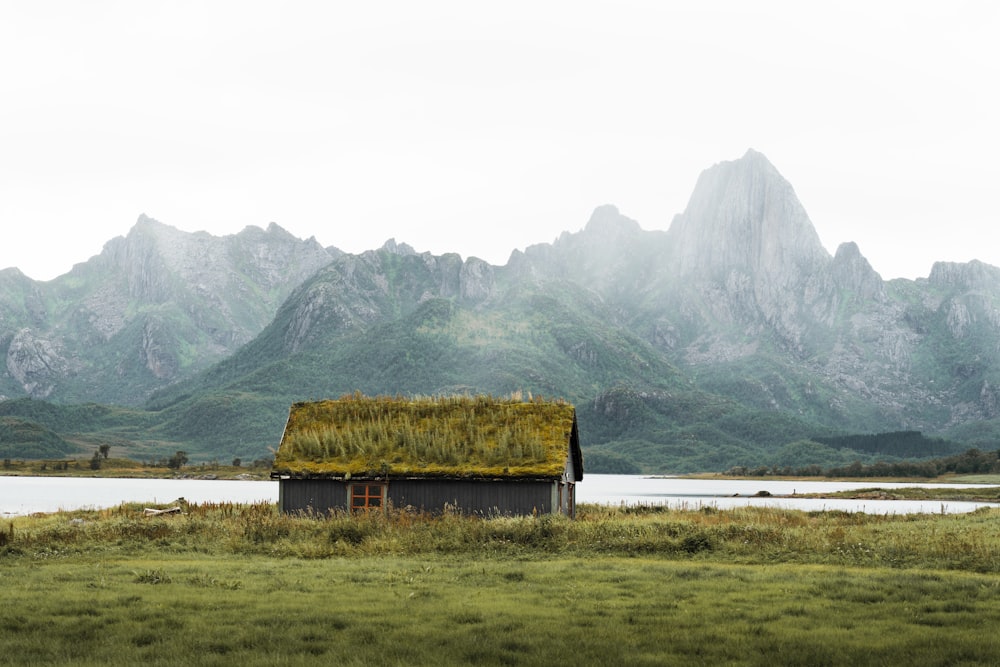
(478, 128)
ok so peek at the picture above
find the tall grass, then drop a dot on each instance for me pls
(223, 584)
(968, 542)
(478, 434)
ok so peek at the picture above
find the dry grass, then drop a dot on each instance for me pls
(963, 542)
(244, 584)
(480, 436)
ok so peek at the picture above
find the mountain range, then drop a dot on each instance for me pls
(733, 338)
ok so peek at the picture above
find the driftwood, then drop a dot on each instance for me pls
(149, 511)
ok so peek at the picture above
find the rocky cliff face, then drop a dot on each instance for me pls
(35, 363)
(153, 307)
(377, 286)
(746, 248)
(744, 219)
(740, 292)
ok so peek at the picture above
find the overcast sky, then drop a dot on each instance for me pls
(479, 128)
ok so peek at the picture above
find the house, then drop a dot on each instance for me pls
(473, 454)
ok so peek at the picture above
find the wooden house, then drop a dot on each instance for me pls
(477, 455)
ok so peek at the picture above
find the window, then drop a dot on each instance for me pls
(367, 496)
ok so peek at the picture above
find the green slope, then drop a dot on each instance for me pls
(407, 324)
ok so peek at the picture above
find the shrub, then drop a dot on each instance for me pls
(177, 461)
(693, 544)
(152, 577)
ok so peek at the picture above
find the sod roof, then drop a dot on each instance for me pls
(478, 437)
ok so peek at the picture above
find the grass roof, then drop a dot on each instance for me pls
(462, 436)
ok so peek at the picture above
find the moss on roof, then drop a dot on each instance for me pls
(462, 436)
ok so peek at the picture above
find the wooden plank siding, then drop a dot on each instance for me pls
(479, 497)
(486, 497)
(318, 495)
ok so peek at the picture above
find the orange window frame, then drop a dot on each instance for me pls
(367, 496)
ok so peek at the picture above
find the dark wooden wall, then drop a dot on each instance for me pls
(319, 495)
(480, 497)
(470, 497)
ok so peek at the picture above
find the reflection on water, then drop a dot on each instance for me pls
(25, 495)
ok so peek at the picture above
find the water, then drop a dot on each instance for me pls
(26, 495)
(728, 493)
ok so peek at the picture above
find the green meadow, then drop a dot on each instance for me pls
(231, 584)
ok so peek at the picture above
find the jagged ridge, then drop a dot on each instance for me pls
(711, 344)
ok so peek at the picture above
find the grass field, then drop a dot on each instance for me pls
(226, 584)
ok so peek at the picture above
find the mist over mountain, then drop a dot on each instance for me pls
(730, 339)
(152, 308)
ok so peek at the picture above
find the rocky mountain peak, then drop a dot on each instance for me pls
(744, 216)
(163, 300)
(276, 234)
(608, 240)
(275, 229)
(476, 279)
(850, 270)
(608, 223)
(402, 249)
(969, 275)
(13, 273)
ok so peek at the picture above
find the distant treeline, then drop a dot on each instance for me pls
(972, 461)
(900, 444)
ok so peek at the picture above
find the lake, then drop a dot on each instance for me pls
(681, 493)
(26, 495)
